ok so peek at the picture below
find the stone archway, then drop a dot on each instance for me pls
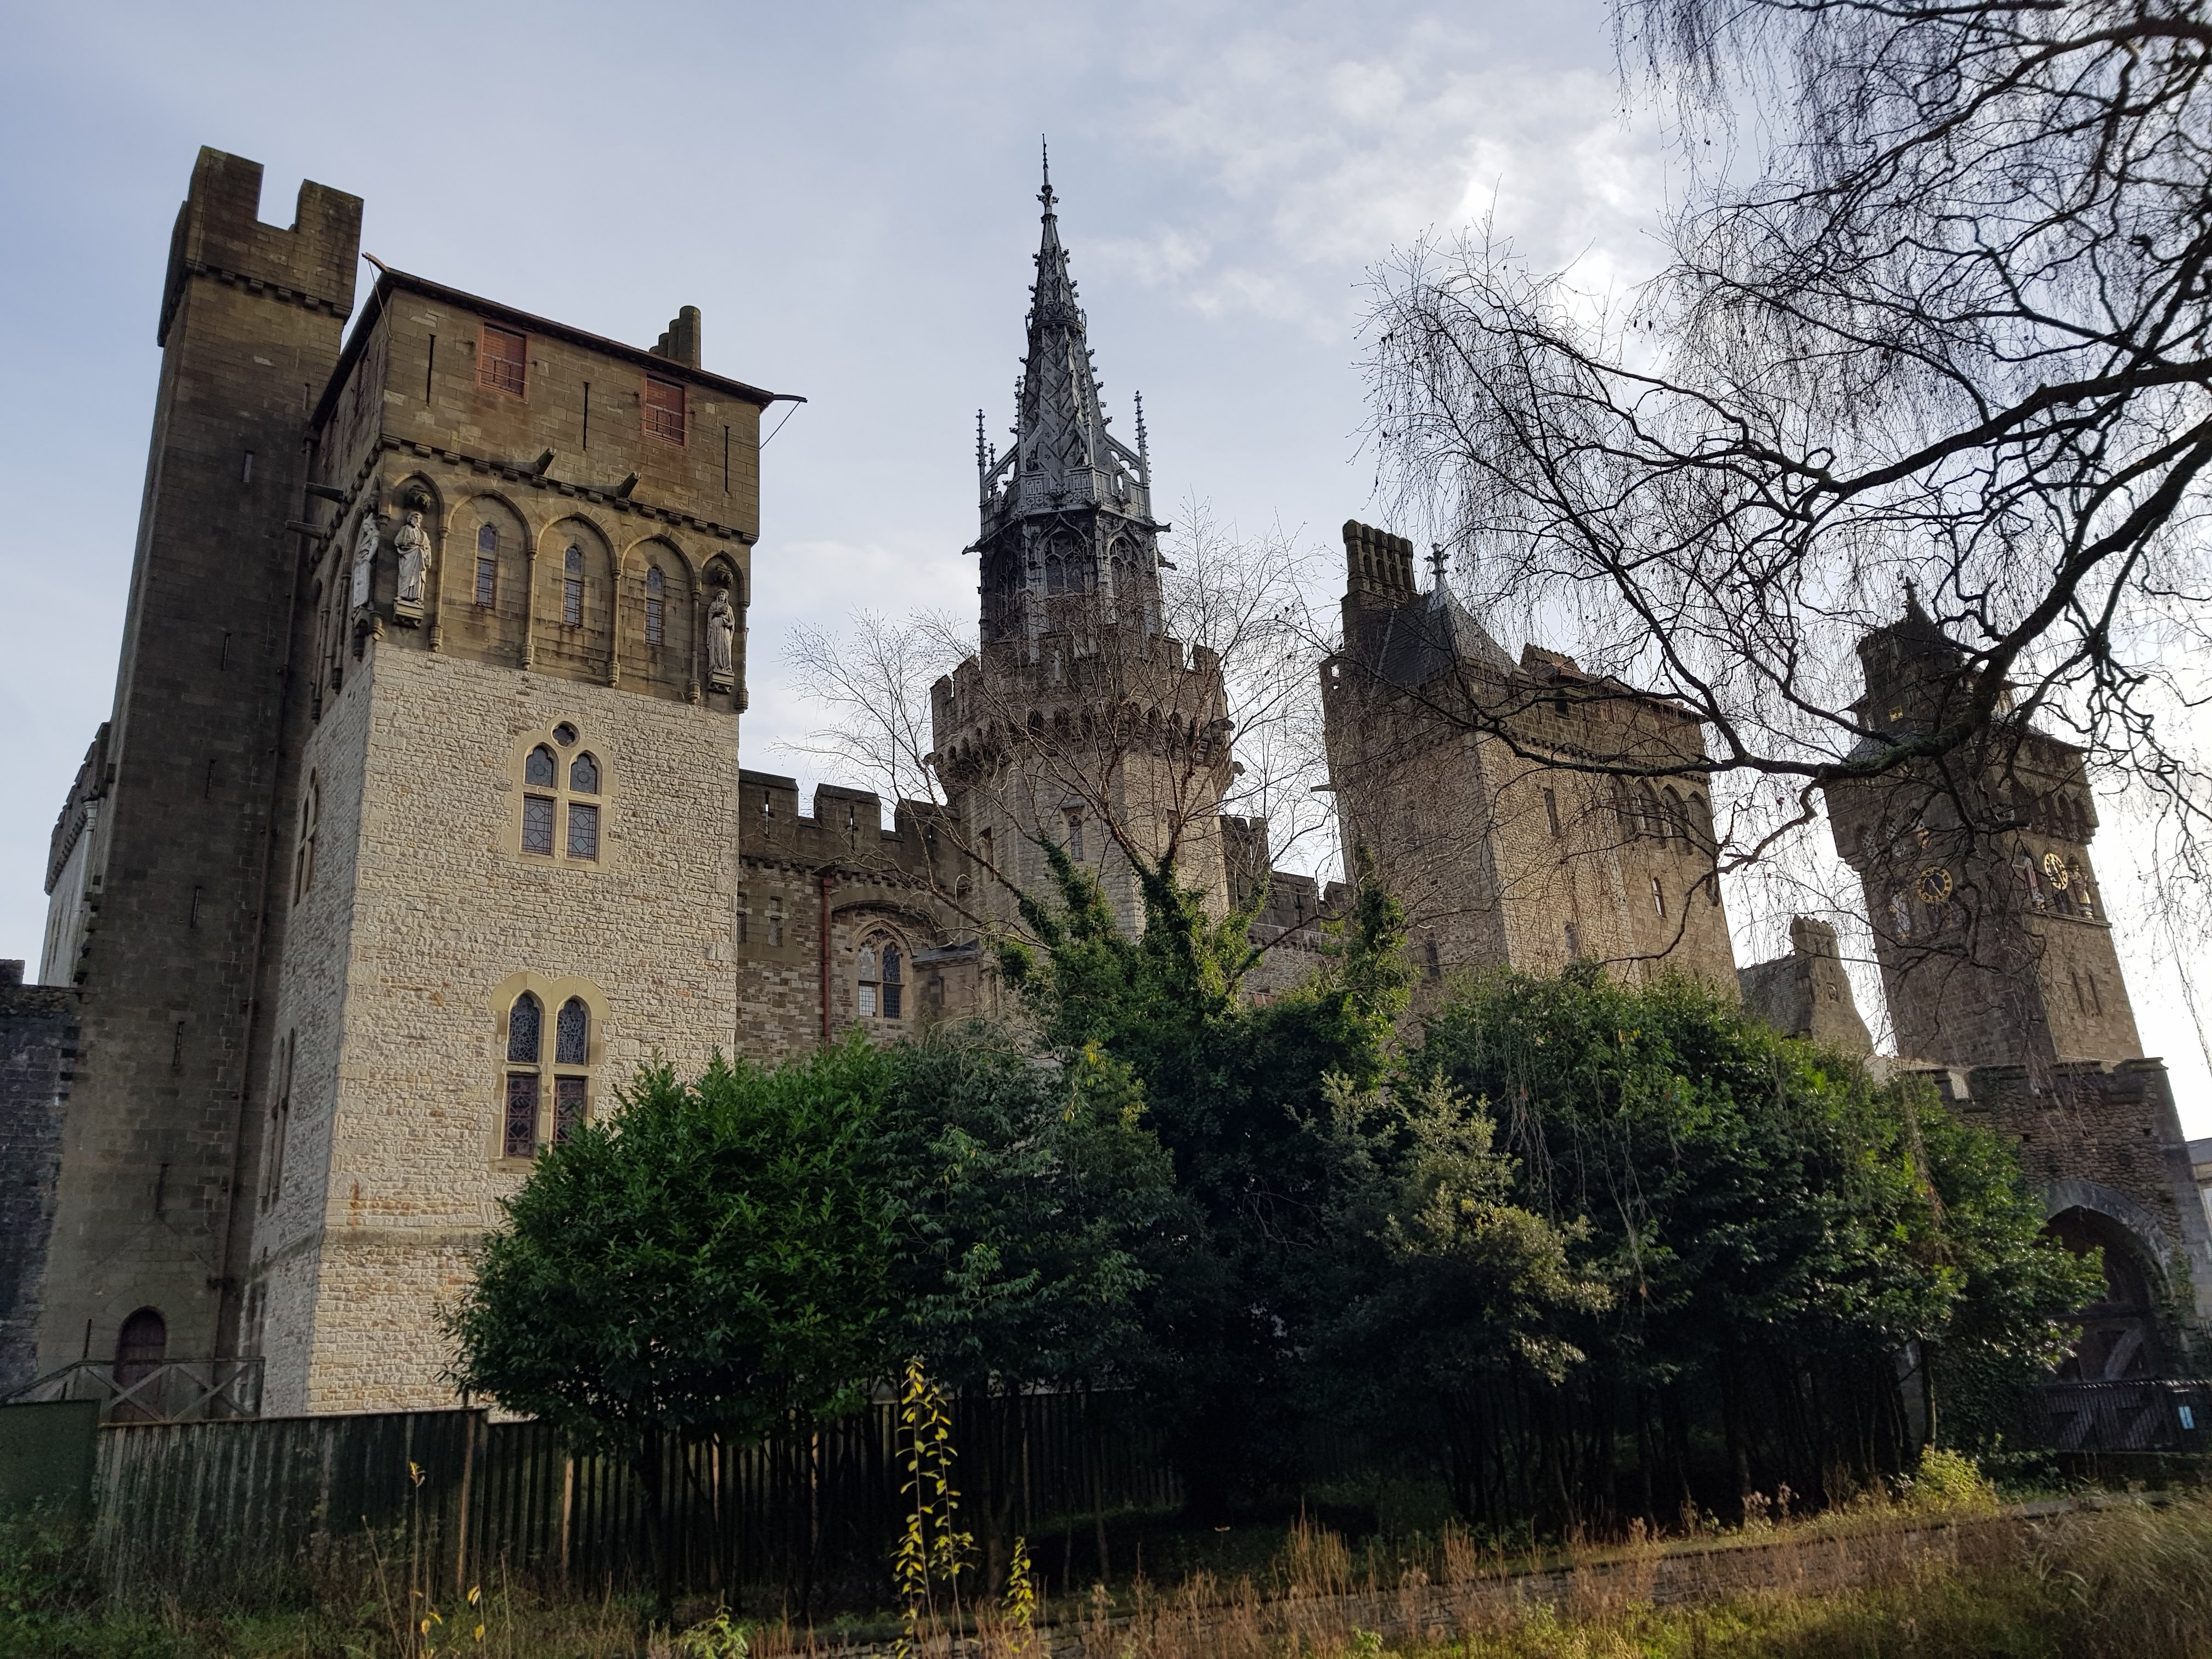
(2120, 1340)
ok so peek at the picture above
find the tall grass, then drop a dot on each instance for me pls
(2117, 1578)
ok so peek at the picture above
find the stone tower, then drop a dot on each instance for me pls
(166, 904)
(509, 868)
(1988, 920)
(416, 827)
(1441, 752)
(1998, 965)
(1080, 719)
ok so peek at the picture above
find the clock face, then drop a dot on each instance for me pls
(1935, 884)
(2054, 868)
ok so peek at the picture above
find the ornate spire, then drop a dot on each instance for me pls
(1068, 491)
(1060, 421)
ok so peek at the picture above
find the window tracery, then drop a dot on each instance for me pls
(547, 1098)
(548, 802)
(879, 973)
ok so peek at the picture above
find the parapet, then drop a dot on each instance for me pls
(1807, 994)
(219, 233)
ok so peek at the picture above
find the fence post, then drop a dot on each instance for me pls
(468, 1480)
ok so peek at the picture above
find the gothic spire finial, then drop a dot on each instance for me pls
(1046, 195)
(1438, 560)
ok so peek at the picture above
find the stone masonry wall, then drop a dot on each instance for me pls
(394, 1167)
(174, 918)
(38, 1056)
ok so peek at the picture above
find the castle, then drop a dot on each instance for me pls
(421, 820)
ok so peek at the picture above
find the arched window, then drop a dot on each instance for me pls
(656, 605)
(140, 1345)
(1701, 822)
(864, 972)
(1678, 821)
(1658, 897)
(487, 566)
(572, 1046)
(542, 771)
(894, 986)
(538, 771)
(311, 811)
(525, 1130)
(526, 1041)
(571, 588)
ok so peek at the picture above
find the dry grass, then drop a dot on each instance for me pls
(1935, 1575)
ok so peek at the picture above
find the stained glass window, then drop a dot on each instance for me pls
(656, 610)
(525, 1030)
(867, 982)
(520, 1139)
(572, 1034)
(892, 989)
(536, 824)
(537, 770)
(584, 776)
(568, 1106)
(583, 830)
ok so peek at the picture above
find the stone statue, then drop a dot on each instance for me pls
(364, 558)
(721, 637)
(413, 546)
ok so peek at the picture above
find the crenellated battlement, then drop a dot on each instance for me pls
(219, 235)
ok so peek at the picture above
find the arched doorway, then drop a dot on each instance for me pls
(140, 1348)
(2119, 1330)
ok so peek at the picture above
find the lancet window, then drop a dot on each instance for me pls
(571, 588)
(548, 1096)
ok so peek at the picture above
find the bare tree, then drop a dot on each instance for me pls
(1933, 327)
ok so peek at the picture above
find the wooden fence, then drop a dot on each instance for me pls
(436, 1501)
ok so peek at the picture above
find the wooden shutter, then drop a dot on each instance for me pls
(664, 409)
(502, 358)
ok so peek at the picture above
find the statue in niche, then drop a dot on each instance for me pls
(364, 558)
(721, 640)
(412, 543)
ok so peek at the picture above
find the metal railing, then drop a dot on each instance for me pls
(2147, 1414)
(164, 1391)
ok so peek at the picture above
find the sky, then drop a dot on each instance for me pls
(849, 194)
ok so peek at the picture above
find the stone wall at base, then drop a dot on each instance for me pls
(38, 1057)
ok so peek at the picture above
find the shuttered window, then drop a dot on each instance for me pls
(502, 359)
(664, 409)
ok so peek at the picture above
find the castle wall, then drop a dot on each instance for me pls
(172, 928)
(1462, 777)
(400, 987)
(38, 1058)
(2105, 1137)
